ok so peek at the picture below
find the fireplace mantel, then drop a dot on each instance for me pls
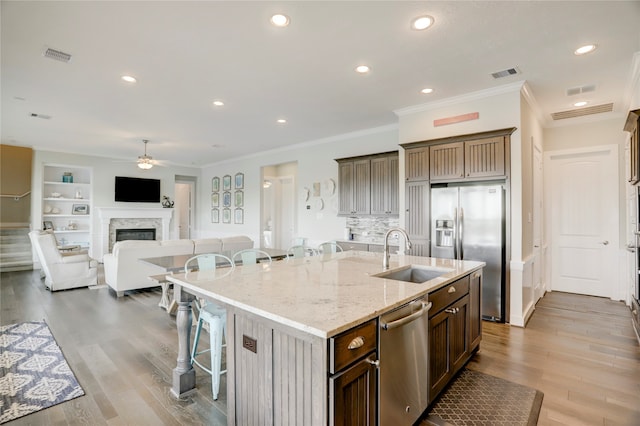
(105, 214)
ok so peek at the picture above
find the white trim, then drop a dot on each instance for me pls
(633, 84)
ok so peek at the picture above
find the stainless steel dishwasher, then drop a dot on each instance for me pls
(404, 363)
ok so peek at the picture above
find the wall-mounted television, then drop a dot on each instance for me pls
(137, 190)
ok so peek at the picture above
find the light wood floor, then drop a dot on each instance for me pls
(580, 351)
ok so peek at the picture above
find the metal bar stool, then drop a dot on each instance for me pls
(215, 316)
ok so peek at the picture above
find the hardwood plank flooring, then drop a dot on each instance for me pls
(580, 351)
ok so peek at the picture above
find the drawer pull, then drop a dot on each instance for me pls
(452, 289)
(452, 310)
(374, 362)
(356, 343)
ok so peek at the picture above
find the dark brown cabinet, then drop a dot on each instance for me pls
(475, 310)
(384, 185)
(632, 125)
(368, 185)
(472, 159)
(353, 393)
(449, 336)
(354, 187)
(416, 162)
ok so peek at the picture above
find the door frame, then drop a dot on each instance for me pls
(192, 182)
(616, 292)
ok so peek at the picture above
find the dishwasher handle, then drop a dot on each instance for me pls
(405, 320)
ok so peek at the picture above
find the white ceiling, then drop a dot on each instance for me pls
(186, 54)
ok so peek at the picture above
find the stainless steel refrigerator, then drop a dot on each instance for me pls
(468, 223)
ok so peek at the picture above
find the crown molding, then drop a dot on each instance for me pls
(467, 97)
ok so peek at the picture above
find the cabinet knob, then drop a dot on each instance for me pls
(356, 343)
(375, 362)
(452, 289)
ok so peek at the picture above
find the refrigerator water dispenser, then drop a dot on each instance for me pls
(444, 233)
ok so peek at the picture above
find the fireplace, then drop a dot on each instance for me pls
(123, 234)
(114, 218)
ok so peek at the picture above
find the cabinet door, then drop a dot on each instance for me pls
(345, 188)
(484, 157)
(459, 339)
(439, 365)
(379, 185)
(353, 395)
(361, 187)
(417, 164)
(417, 210)
(475, 314)
(446, 162)
(384, 185)
(633, 157)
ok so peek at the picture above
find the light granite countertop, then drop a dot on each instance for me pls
(320, 295)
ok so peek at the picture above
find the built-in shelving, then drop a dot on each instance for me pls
(66, 206)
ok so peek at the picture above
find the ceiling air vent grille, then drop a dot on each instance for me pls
(57, 55)
(505, 73)
(597, 109)
(43, 116)
(582, 89)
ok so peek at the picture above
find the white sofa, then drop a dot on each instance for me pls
(123, 271)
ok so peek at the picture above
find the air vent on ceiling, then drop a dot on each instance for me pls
(57, 55)
(43, 116)
(596, 109)
(582, 89)
(505, 73)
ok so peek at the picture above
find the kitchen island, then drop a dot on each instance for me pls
(287, 323)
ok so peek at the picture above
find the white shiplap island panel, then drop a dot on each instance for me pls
(292, 308)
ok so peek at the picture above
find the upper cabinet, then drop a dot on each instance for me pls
(632, 126)
(476, 156)
(368, 185)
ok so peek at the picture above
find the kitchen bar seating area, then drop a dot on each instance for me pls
(579, 350)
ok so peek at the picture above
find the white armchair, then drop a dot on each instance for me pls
(62, 271)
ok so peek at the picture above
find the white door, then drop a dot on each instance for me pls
(538, 287)
(183, 208)
(583, 216)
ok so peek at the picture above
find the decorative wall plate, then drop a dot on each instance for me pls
(319, 204)
(305, 193)
(329, 187)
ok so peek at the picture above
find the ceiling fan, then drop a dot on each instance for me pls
(145, 161)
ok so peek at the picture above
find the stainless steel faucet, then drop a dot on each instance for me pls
(385, 257)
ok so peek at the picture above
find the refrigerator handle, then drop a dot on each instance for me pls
(455, 233)
(461, 231)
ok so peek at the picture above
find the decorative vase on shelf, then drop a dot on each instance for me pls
(67, 177)
(78, 194)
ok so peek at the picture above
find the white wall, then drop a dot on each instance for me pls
(315, 163)
(104, 172)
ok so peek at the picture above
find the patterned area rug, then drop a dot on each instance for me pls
(33, 372)
(474, 399)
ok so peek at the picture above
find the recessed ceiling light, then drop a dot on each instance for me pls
(129, 79)
(218, 103)
(580, 104)
(281, 121)
(422, 22)
(426, 90)
(280, 20)
(363, 69)
(585, 49)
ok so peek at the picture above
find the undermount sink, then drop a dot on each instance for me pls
(413, 273)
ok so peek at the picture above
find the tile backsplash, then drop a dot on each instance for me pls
(368, 229)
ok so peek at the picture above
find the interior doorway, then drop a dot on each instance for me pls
(184, 208)
(278, 218)
(582, 215)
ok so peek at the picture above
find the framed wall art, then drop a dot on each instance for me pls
(226, 215)
(80, 209)
(215, 199)
(239, 199)
(215, 184)
(215, 216)
(238, 216)
(226, 199)
(226, 183)
(239, 180)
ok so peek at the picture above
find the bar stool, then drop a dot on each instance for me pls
(300, 251)
(251, 256)
(329, 247)
(215, 316)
